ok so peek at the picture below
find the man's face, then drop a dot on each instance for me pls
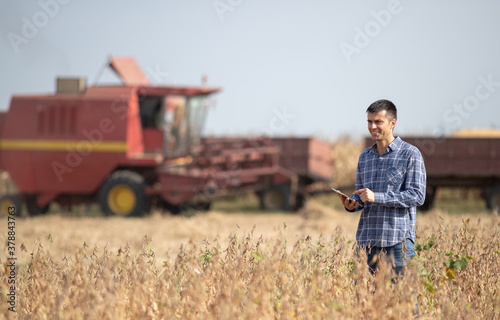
(379, 126)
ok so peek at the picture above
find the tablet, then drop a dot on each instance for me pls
(340, 192)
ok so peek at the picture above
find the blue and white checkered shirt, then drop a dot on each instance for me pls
(398, 179)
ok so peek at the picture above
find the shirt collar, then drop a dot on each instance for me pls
(393, 146)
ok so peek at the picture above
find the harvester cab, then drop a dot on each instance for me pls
(173, 123)
(172, 118)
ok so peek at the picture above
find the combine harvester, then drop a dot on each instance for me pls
(133, 145)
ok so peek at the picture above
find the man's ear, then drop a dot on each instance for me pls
(393, 123)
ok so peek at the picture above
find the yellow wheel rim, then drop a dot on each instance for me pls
(4, 207)
(121, 199)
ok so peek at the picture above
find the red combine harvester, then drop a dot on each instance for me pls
(129, 146)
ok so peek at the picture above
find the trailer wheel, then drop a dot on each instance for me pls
(300, 202)
(275, 198)
(493, 198)
(33, 208)
(8, 201)
(430, 195)
(124, 194)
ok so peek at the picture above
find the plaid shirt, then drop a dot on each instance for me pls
(398, 180)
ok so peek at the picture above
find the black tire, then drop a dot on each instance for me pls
(33, 208)
(124, 194)
(300, 201)
(7, 201)
(275, 198)
(493, 198)
(430, 196)
(174, 209)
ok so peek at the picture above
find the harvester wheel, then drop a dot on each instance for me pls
(124, 194)
(275, 198)
(8, 201)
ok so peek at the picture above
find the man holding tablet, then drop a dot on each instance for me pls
(390, 184)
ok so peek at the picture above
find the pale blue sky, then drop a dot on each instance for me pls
(281, 63)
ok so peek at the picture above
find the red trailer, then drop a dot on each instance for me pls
(460, 162)
(311, 159)
(125, 146)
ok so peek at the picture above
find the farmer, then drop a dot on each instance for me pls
(390, 182)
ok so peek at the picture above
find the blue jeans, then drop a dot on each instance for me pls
(396, 255)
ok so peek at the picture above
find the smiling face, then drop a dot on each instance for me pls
(380, 126)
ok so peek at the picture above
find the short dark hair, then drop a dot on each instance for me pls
(386, 105)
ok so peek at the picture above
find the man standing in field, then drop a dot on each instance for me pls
(390, 182)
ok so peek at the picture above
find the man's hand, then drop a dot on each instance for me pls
(366, 195)
(348, 203)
